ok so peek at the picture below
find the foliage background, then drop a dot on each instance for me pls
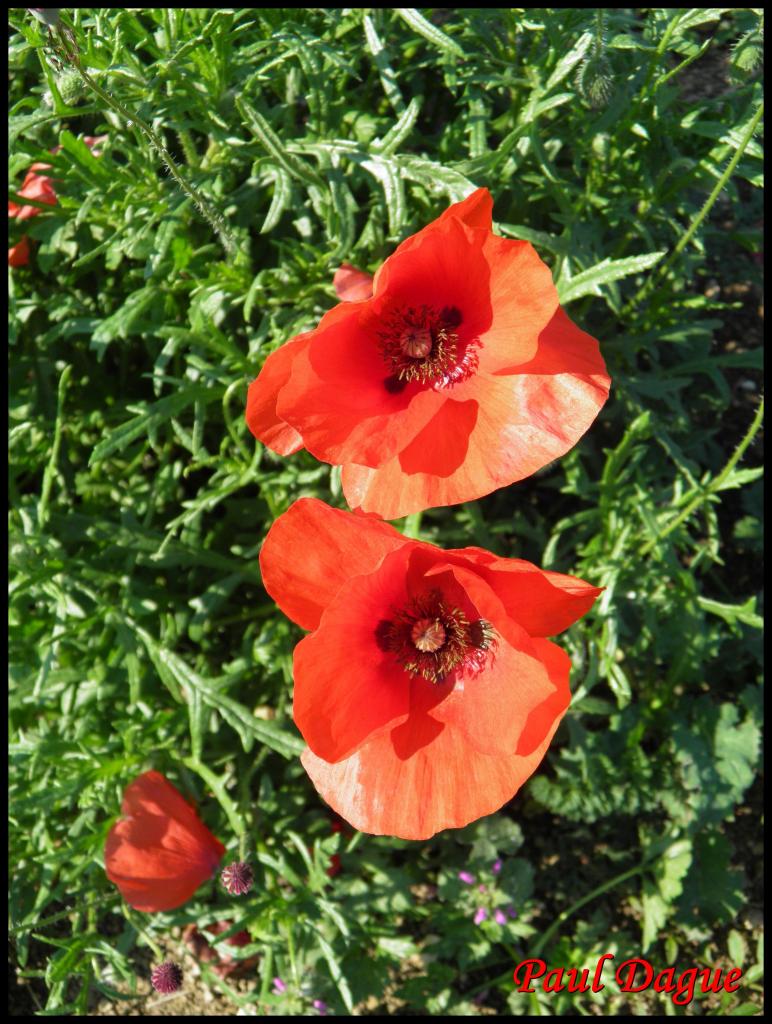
(623, 145)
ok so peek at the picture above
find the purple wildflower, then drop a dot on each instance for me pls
(166, 978)
(511, 911)
(320, 1007)
(501, 917)
(496, 867)
(466, 877)
(481, 888)
(279, 987)
(481, 915)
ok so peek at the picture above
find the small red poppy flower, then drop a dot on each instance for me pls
(352, 285)
(35, 186)
(160, 852)
(427, 691)
(461, 374)
(18, 255)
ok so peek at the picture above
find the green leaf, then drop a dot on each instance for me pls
(263, 132)
(397, 134)
(589, 282)
(428, 31)
(282, 196)
(123, 321)
(569, 60)
(151, 416)
(732, 613)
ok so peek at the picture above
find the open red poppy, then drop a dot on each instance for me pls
(426, 691)
(461, 374)
(159, 853)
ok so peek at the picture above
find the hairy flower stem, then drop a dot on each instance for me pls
(67, 48)
(715, 484)
(684, 240)
(50, 470)
(204, 207)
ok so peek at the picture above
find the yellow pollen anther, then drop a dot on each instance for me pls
(416, 342)
(428, 635)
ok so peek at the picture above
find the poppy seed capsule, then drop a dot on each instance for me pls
(237, 878)
(166, 978)
(428, 635)
(416, 342)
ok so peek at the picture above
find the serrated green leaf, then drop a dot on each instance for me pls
(153, 415)
(428, 31)
(589, 282)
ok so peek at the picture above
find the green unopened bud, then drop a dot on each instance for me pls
(594, 81)
(748, 53)
(70, 86)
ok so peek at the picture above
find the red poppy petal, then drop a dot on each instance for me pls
(18, 255)
(420, 778)
(444, 268)
(543, 718)
(543, 603)
(160, 852)
(312, 550)
(261, 415)
(523, 299)
(346, 686)
(352, 285)
(492, 705)
(476, 211)
(525, 420)
(336, 395)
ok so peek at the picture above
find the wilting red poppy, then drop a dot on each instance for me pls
(223, 964)
(159, 853)
(461, 373)
(18, 255)
(427, 692)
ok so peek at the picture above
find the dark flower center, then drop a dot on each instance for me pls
(431, 639)
(422, 344)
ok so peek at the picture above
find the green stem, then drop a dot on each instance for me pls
(218, 789)
(203, 205)
(412, 527)
(715, 484)
(700, 217)
(564, 916)
(131, 917)
(50, 470)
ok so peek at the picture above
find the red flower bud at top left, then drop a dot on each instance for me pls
(160, 852)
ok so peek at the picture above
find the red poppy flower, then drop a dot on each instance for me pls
(40, 187)
(18, 255)
(427, 692)
(35, 186)
(159, 853)
(461, 374)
